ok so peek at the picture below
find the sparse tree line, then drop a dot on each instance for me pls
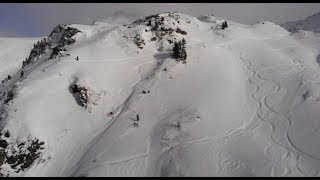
(61, 33)
(6, 79)
(38, 49)
(8, 96)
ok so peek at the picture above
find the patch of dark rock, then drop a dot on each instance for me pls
(9, 97)
(178, 30)
(2, 156)
(25, 160)
(145, 92)
(135, 124)
(139, 41)
(110, 114)
(7, 134)
(3, 144)
(318, 59)
(81, 94)
(306, 95)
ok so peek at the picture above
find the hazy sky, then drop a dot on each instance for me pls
(38, 19)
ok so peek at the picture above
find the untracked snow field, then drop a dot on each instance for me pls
(246, 103)
(13, 52)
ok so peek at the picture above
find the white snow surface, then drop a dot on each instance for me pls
(247, 102)
(13, 52)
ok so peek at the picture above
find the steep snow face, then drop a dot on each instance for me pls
(311, 23)
(245, 103)
(13, 52)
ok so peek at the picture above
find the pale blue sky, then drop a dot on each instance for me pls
(37, 19)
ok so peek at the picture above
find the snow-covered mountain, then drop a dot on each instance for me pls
(311, 23)
(110, 100)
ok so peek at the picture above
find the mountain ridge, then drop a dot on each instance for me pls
(310, 23)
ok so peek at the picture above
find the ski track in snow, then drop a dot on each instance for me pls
(256, 75)
(252, 124)
(234, 41)
(238, 131)
(278, 85)
(132, 157)
(245, 128)
(124, 107)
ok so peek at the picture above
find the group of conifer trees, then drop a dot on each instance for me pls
(179, 50)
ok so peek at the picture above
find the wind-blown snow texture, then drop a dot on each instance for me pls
(246, 103)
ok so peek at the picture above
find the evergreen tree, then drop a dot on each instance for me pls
(224, 25)
(27, 61)
(21, 74)
(175, 50)
(179, 50)
(183, 49)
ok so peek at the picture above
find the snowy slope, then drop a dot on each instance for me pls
(245, 103)
(311, 23)
(13, 52)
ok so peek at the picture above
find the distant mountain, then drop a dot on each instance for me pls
(311, 23)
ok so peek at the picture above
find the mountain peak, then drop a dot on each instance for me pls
(311, 23)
